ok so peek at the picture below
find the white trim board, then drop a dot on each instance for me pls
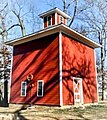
(60, 68)
(42, 87)
(56, 18)
(10, 81)
(25, 88)
(96, 75)
(81, 90)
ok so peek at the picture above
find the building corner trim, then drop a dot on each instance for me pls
(10, 80)
(60, 68)
(96, 76)
(55, 18)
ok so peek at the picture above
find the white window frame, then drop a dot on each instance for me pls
(42, 88)
(25, 88)
(48, 20)
(81, 90)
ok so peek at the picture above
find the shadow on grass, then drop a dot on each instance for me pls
(83, 118)
(18, 115)
(48, 117)
(15, 115)
(57, 114)
(3, 103)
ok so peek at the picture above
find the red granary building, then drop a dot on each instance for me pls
(54, 66)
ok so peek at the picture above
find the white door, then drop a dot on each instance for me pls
(78, 91)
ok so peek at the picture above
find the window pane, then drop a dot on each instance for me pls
(23, 89)
(61, 19)
(49, 20)
(40, 88)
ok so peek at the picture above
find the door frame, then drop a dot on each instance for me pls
(81, 90)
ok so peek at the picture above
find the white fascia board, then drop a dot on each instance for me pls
(42, 33)
(10, 81)
(54, 29)
(79, 37)
(55, 10)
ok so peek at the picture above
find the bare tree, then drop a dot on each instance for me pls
(72, 7)
(91, 21)
(17, 12)
(21, 24)
(5, 29)
(32, 19)
(97, 24)
(4, 61)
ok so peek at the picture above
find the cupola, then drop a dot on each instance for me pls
(54, 17)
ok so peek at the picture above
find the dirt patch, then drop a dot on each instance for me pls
(92, 112)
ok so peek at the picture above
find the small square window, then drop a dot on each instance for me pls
(23, 88)
(40, 87)
(49, 21)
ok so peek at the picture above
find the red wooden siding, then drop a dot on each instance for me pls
(40, 58)
(58, 19)
(78, 61)
(53, 19)
(65, 21)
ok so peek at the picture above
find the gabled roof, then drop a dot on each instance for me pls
(55, 10)
(51, 30)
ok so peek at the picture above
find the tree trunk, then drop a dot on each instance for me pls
(74, 14)
(102, 72)
(4, 38)
(102, 61)
(22, 26)
(65, 6)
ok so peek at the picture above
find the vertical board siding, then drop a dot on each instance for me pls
(53, 19)
(65, 21)
(40, 58)
(78, 61)
(58, 19)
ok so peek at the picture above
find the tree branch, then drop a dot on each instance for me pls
(74, 14)
(4, 7)
(9, 28)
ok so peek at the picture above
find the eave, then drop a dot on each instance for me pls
(55, 10)
(39, 34)
(79, 37)
(54, 29)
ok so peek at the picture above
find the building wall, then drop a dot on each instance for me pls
(78, 61)
(40, 58)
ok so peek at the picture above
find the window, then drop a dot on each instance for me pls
(40, 87)
(49, 21)
(45, 22)
(61, 19)
(23, 88)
